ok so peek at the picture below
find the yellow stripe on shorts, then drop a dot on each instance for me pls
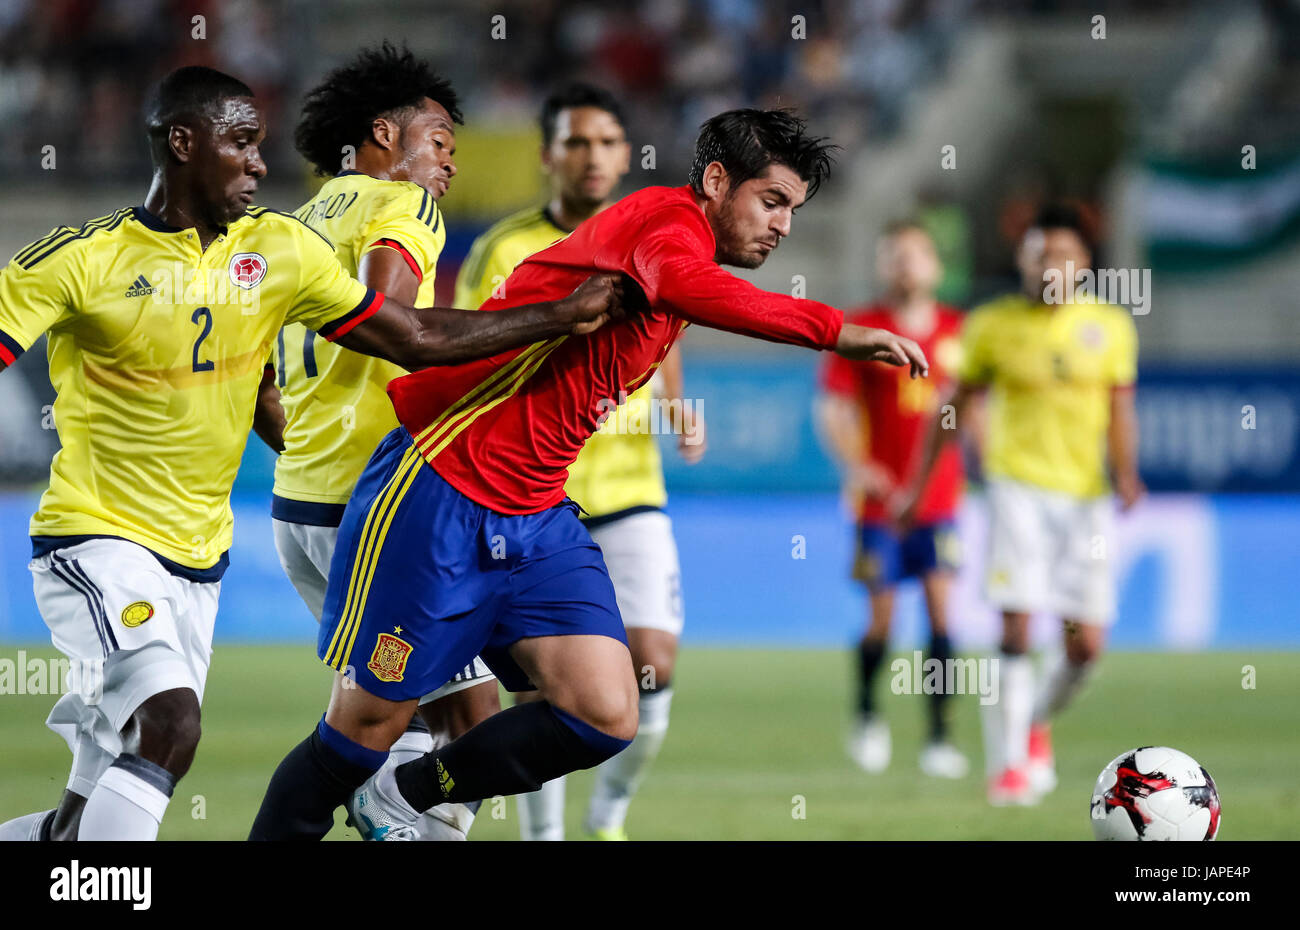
(366, 552)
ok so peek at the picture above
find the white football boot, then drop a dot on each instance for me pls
(943, 760)
(869, 746)
(379, 812)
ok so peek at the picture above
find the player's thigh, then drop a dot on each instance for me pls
(131, 631)
(878, 565)
(305, 552)
(641, 557)
(1084, 641)
(1020, 543)
(589, 676)
(373, 721)
(931, 554)
(462, 703)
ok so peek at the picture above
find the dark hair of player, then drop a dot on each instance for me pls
(1061, 215)
(379, 82)
(186, 96)
(577, 95)
(746, 142)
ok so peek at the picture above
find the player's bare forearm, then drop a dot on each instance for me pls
(670, 374)
(840, 430)
(427, 337)
(1122, 444)
(864, 343)
(268, 415)
(958, 403)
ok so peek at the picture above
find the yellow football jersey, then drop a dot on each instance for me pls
(335, 405)
(156, 348)
(619, 467)
(1050, 370)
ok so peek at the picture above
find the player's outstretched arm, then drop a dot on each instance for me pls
(864, 343)
(422, 338)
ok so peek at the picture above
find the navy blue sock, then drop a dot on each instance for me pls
(870, 652)
(316, 777)
(940, 649)
(511, 752)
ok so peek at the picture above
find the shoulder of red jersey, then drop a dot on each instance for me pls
(873, 315)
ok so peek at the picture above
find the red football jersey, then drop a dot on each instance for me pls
(504, 430)
(896, 410)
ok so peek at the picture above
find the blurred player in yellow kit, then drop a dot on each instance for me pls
(394, 118)
(618, 477)
(1059, 371)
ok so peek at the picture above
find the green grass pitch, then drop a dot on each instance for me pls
(755, 731)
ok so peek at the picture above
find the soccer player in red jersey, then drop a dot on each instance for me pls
(459, 539)
(873, 422)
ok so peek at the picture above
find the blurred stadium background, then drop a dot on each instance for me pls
(1146, 129)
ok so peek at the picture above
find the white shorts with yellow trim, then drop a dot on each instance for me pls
(1050, 552)
(130, 630)
(641, 556)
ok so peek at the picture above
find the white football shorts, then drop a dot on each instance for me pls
(305, 554)
(130, 629)
(1050, 552)
(641, 556)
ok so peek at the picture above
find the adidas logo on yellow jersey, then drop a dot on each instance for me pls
(140, 287)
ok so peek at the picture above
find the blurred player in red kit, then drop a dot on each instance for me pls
(873, 423)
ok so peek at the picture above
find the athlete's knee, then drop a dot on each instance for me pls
(165, 729)
(612, 711)
(1083, 642)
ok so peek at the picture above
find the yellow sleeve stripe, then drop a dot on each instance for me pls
(484, 387)
(431, 451)
(373, 534)
(44, 248)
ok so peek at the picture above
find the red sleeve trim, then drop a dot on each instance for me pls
(363, 311)
(401, 249)
(9, 349)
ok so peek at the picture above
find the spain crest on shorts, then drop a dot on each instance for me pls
(388, 661)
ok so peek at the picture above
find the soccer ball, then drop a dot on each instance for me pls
(1155, 793)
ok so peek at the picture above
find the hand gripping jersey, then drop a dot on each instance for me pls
(504, 430)
(156, 349)
(335, 406)
(619, 468)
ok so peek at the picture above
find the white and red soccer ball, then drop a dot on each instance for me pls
(1155, 793)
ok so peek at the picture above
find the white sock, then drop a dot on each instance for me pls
(991, 716)
(129, 801)
(541, 812)
(24, 829)
(1017, 700)
(1060, 687)
(446, 822)
(618, 777)
(411, 745)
